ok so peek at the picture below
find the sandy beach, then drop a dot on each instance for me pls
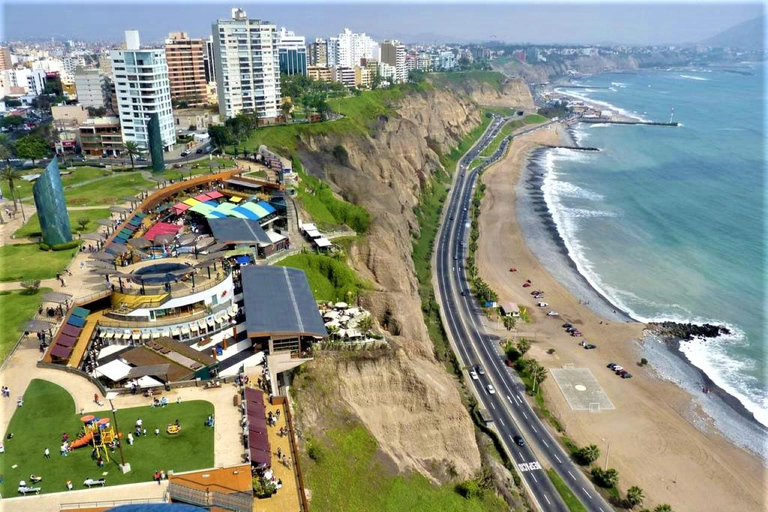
(652, 442)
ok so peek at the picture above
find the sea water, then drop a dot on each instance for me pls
(668, 222)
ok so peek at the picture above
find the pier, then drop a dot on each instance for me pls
(575, 148)
(608, 121)
(581, 87)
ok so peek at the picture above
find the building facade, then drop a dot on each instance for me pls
(292, 53)
(51, 207)
(5, 58)
(393, 53)
(247, 66)
(318, 53)
(142, 88)
(353, 47)
(321, 73)
(101, 136)
(209, 61)
(92, 88)
(186, 68)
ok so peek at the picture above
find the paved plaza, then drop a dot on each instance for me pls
(581, 390)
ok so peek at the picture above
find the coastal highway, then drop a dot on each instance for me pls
(463, 319)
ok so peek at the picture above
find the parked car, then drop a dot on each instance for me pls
(611, 366)
(542, 304)
(553, 313)
(626, 375)
(519, 441)
(509, 363)
(185, 152)
(589, 346)
(576, 334)
(141, 159)
(199, 151)
(491, 389)
(617, 368)
(473, 374)
(567, 325)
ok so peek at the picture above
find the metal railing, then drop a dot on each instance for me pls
(108, 504)
(236, 501)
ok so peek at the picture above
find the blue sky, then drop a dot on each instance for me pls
(583, 22)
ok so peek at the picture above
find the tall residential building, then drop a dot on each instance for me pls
(292, 52)
(186, 68)
(5, 59)
(393, 53)
(332, 51)
(142, 88)
(92, 88)
(209, 60)
(247, 66)
(105, 64)
(318, 53)
(353, 47)
(101, 136)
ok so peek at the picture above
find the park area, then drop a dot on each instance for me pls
(16, 307)
(28, 261)
(32, 227)
(49, 411)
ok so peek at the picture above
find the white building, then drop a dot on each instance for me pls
(332, 51)
(353, 47)
(247, 66)
(292, 52)
(142, 88)
(92, 88)
(32, 81)
(447, 60)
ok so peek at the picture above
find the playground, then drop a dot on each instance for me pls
(48, 412)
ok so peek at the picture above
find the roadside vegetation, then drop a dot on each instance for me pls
(16, 307)
(535, 119)
(330, 278)
(571, 501)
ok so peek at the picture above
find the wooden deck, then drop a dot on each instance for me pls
(142, 356)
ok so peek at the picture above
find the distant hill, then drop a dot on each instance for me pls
(748, 35)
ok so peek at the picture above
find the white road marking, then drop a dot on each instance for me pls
(494, 407)
(534, 429)
(585, 492)
(548, 502)
(545, 443)
(558, 458)
(520, 399)
(534, 478)
(502, 421)
(526, 416)
(510, 400)
(571, 475)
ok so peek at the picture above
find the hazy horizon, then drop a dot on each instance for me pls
(589, 23)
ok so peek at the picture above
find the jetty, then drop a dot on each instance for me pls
(582, 87)
(609, 121)
(575, 148)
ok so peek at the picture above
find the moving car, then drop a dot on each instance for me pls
(185, 152)
(199, 151)
(480, 370)
(519, 441)
(491, 389)
(473, 374)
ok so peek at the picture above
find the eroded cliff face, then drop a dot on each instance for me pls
(407, 400)
(513, 92)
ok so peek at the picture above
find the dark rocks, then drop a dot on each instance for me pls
(690, 331)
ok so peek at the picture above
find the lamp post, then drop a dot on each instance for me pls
(607, 454)
(21, 206)
(125, 468)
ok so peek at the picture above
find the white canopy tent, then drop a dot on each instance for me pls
(115, 370)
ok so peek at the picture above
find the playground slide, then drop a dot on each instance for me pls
(77, 443)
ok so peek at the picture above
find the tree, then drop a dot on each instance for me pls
(634, 496)
(11, 121)
(537, 372)
(586, 455)
(10, 176)
(133, 150)
(608, 478)
(97, 111)
(31, 286)
(32, 147)
(220, 135)
(523, 345)
(509, 323)
(365, 324)
(82, 222)
(663, 508)
(286, 108)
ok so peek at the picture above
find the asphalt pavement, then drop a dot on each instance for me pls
(508, 406)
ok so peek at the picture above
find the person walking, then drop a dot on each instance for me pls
(47, 453)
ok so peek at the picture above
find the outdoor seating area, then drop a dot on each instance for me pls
(67, 337)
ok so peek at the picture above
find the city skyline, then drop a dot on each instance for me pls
(427, 23)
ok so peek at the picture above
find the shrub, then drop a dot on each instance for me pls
(608, 478)
(44, 247)
(587, 455)
(643, 362)
(315, 452)
(470, 489)
(67, 245)
(551, 351)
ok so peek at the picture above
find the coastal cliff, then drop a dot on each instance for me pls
(406, 398)
(507, 92)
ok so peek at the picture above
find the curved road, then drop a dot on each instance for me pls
(512, 414)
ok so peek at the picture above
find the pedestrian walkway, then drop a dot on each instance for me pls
(97, 496)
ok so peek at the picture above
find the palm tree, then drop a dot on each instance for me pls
(286, 109)
(635, 496)
(537, 372)
(523, 345)
(9, 175)
(588, 454)
(663, 508)
(132, 150)
(509, 323)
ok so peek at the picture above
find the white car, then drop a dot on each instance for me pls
(553, 313)
(542, 304)
(473, 374)
(491, 389)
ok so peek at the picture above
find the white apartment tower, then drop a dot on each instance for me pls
(247, 66)
(142, 88)
(91, 87)
(353, 47)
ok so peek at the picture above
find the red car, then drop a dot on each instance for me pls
(526, 285)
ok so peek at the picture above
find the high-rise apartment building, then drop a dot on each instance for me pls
(247, 66)
(393, 53)
(186, 68)
(318, 53)
(292, 52)
(5, 59)
(92, 88)
(332, 51)
(353, 47)
(142, 88)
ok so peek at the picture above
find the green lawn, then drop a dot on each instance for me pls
(346, 474)
(492, 78)
(77, 175)
(535, 119)
(109, 190)
(571, 501)
(15, 309)
(27, 261)
(32, 227)
(330, 279)
(49, 411)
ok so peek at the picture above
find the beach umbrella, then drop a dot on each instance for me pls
(139, 243)
(105, 222)
(104, 271)
(117, 248)
(119, 209)
(92, 264)
(164, 239)
(205, 242)
(96, 237)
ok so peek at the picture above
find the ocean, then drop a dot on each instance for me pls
(668, 222)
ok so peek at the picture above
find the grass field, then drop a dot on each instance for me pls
(27, 261)
(77, 175)
(492, 78)
(109, 190)
(330, 279)
(571, 501)
(32, 227)
(15, 309)
(49, 411)
(535, 119)
(347, 474)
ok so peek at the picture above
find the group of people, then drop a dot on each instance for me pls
(5, 392)
(159, 476)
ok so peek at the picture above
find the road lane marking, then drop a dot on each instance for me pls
(534, 478)
(548, 502)
(502, 421)
(585, 492)
(534, 429)
(526, 416)
(545, 443)
(494, 407)
(510, 400)
(571, 475)
(558, 458)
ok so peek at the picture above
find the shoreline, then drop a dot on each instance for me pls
(662, 436)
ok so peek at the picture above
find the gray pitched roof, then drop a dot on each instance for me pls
(232, 229)
(278, 301)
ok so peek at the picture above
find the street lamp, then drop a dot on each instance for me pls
(607, 454)
(125, 468)
(21, 206)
